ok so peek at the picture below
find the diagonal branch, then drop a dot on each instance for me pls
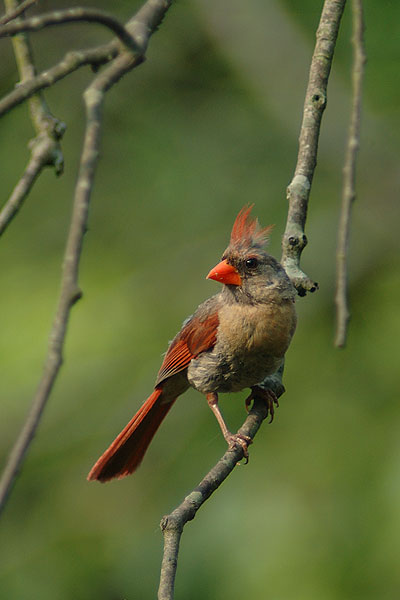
(349, 176)
(97, 56)
(172, 525)
(12, 14)
(147, 20)
(298, 192)
(71, 62)
(42, 154)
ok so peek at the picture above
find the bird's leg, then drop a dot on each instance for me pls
(233, 439)
(267, 395)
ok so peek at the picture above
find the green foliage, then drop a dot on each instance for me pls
(189, 138)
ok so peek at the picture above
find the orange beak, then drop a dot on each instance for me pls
(225, 273)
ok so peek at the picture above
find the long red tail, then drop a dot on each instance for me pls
(127, 450)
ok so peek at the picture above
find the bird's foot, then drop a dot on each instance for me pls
(269, 398)
(238, 439)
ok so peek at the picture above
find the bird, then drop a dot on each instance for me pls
(234, 340)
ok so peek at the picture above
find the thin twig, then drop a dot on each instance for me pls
(172, 525)
(41, 155)
(48, 151)
(349, 176)
(17, 11)
(75, 59)
(71, 62)
(45, 147)
(147, 19)
(298, 191)
(71, 15)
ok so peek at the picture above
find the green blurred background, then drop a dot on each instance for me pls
(207, 124)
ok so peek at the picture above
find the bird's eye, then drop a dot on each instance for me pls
(251, 263)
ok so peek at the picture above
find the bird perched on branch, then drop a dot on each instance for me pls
(233, 341)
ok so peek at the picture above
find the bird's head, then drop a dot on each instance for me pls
(247, 270)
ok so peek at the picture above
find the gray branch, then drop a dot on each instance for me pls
(42, 154)
(45, 147)
(298, 192)
(147, 20)
(137, 28)
(172, 525)
(71, 62)
(70, 15)
(13, 13)
(349, 176)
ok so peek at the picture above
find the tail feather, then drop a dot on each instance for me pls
(127, 450)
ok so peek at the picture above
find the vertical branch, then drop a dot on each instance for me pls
(70, 291)
(40, 113)
(45, 147)
(24, 59)
(349, 177)
(298, 191)
(172, 529)
(146, 22)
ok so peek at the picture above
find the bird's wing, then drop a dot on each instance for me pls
(197, 335)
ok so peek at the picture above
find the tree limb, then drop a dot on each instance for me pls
(71, 15)
(349, 176)
(17, 11)
(71, 62)
(172, 525)
(42, 153)
(75, 59)
(147, 20)
(45, 147)
(298, 192)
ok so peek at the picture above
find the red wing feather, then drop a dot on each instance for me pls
(198, 335)
(127, 450)
(177, 358)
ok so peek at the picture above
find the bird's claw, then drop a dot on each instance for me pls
(238, 439)
(269, 398)
(248, 401)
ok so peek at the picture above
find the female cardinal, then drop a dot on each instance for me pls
(234, 340)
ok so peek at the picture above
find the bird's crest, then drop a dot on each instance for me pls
(246, 231)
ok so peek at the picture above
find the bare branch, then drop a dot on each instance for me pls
(45, 147)
(17, 11)
(71, 62)
(172, 525)
(147, 20)
(298, 191)
(349, 176)
(42, 154)
(71, 15)
(100, 55)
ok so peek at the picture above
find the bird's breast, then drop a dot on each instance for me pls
(251, 343)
